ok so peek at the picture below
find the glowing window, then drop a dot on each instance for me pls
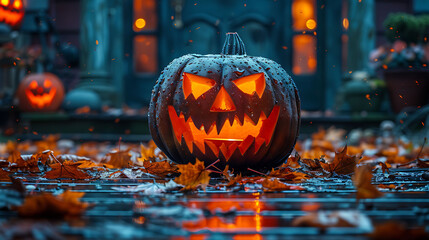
(304, 54)
(304, 15)
(304, 24)
(145, 54)
(145, 15)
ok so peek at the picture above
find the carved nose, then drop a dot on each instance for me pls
(223, 102)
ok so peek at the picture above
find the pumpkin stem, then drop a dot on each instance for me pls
(233, 45)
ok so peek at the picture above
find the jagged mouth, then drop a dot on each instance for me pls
(41, 100)
(229, 137)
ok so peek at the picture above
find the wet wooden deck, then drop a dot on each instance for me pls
(218, 214)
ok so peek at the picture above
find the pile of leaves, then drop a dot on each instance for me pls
(322, 156)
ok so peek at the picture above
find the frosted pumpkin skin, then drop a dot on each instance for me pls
(243, 111)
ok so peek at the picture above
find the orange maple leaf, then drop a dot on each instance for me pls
(362, 182)
(273, 185)
(66, 170)
(47, 205)
(15, 157)
(87, 164)
(229, 175)
(292, 161)
(286, 174)
(4, 176)
(150, 152)
(161, 169)
(120, 159)
(193, 175)
(342, 164)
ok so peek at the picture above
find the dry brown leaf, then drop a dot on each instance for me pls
(292, 161)
(422, 164)
(310, 164)
(48, 142)
(87, 164)
(227, 173)
(149, 152)
(15, 157)
(287, 174)
(342, 164)
(234, 180)
(4, 176)
(274, 185)
(343, 218)
(323, 145)
(384, 167)
(89, 149)
(161, 169)
(193, 175)
(66, 170)
(319, 135)
(392, 230)
(362, 182)
(390, 186)
(46, 205)
(120, 159)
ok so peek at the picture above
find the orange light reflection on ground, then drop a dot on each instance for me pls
(239, 223)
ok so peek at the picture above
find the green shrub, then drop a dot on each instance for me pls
(424, 28)
(402, 26)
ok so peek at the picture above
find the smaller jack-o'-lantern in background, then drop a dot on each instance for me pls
(42, 92)
(11, 12)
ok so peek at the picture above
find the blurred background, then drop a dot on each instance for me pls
(85, 68)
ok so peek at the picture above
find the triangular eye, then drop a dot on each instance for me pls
(252, 83)
(196, 85)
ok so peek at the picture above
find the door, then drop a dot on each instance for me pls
(284, 31)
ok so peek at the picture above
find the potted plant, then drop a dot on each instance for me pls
(363, 93)
(404, 61)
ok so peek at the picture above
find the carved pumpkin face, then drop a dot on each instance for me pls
(239, 109)
(40, 92)
(11, 12)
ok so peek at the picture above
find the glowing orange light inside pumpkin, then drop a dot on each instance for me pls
(223, 102)
(196, 85)
(47, 83)
(11, 15)
(40, 96)
(33, 85)
(140, 23)
(234, 133)
(229, 137)
(251, 84)
(17, 4)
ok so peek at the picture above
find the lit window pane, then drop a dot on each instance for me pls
(304, 54)
(345, 44)
(304, 15)
(145, 15)
(145, 54)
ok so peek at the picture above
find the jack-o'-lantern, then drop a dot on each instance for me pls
(11, 12)
(242, 110)
(42, 92)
